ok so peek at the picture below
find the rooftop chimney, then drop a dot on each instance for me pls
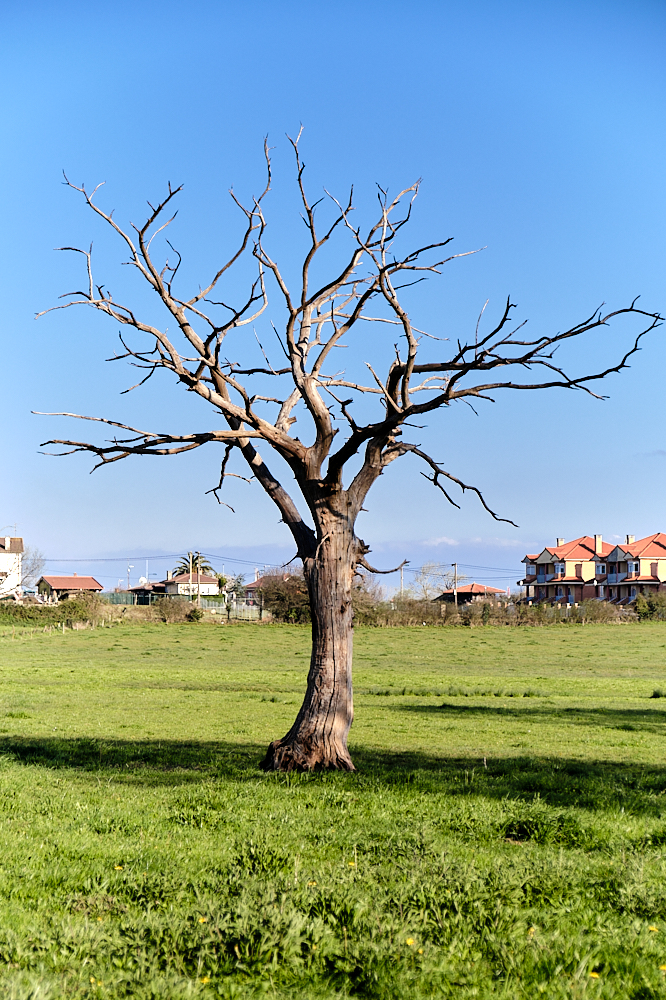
(597, 545)
(169, 574)
(560, 541)
(8, 543)
(631, 539)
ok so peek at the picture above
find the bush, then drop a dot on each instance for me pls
(83, 607)
(651, 607)
(172, 609)
(286, 597)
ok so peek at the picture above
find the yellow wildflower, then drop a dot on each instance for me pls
(203, 920)
(420, 951)
(312, 883)
(206, 979)
(410, 941)
(532, 931)
(662, 968)
(352, 864)
(118, 868)
(92, 979)
(653, 928)
(594, 975)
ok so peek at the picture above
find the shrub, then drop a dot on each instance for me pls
(651, 607)
(172, 609)
(286, 597)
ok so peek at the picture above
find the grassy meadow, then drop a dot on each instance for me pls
(504, 837)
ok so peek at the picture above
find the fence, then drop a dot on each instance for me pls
(238, 611)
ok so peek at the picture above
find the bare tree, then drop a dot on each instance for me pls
(319, 316)
(431, 579)
(32, 566)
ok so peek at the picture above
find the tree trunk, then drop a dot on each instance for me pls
(318, 738)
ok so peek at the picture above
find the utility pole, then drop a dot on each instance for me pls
(128, 574)
(198, 579)
(190, 587)
(455, 584)
(402, 581)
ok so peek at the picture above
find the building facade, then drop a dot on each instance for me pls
(588, 568)
(11, 568)
(192, 585)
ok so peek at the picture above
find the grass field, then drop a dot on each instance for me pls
(505, 835)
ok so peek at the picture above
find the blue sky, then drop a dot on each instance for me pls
(538, 130)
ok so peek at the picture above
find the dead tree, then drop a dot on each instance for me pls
(210, 336)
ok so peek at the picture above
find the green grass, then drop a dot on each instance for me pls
(505, 835)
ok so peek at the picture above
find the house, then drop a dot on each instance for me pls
(589, 568)
(253, 590)
(191, 584)
(636, 567)
(469, 592)
(11, 571)
(146, 591)
(58, 588)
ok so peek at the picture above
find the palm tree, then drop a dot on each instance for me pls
(199, 564)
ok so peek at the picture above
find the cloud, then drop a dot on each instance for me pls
(442, 541)
(500, 543)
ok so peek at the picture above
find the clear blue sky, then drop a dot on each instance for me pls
(538, 130)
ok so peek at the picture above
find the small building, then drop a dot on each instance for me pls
(253, 590)
(471, 592)
(192, 585)
(146, 591)
(11, 569)
(58, 588)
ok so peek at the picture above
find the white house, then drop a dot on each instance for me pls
(191, 586)
(11, 570)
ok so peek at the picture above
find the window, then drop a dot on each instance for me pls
(634, 567)
(602, 591)
(559, 569)
(560, 591)
(601, 569)
(531, 569)
(632, 592)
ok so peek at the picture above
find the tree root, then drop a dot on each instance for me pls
(291, 755)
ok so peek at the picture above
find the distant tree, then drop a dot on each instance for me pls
(32, 566)
(286, 597)
(395, 375)
(431, 579)
(235, 585)
(199, 565)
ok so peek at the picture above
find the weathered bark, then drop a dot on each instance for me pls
(318, 738)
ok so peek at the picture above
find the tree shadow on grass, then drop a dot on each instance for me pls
(153, 761)
(560, 781)
(631, 719)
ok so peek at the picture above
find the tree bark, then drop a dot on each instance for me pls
(318, 738)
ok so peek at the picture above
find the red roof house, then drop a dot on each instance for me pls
(471, 592)
(63, 586)
(589, 568)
